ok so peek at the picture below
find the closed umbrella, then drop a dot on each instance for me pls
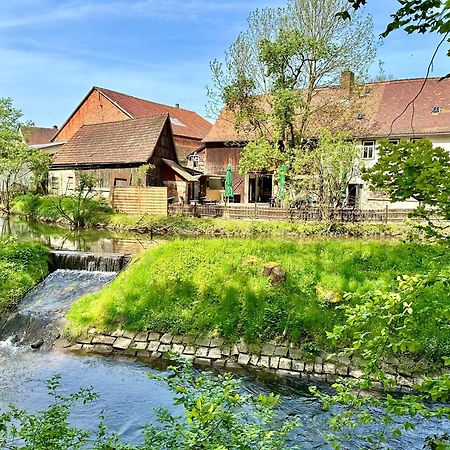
(229, 182)
(282, 183)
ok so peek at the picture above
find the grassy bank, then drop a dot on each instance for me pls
(216, 287)
(22, 265)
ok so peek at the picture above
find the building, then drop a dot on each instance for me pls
(399, 109)
(123, 153)
(104, 105)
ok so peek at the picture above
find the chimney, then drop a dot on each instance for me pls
(177, 105)
(347, 80)
(55, 127)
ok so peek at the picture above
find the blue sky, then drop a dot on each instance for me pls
(53, 51)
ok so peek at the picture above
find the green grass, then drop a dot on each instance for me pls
(22, 265)
(191, 226)
(216, 287)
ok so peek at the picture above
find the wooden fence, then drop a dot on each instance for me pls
(307, 214)
(140, 200)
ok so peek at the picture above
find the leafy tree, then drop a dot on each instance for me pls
(415, 170)
(21, 167)
(76, 208)
(270, 76)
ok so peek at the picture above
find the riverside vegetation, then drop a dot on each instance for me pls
(21, 267)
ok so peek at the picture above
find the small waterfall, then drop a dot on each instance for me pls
(39, 317)
(71, 260)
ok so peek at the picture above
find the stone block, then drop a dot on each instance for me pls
(219, 363)
(216, 342)
(117, 333)
(153, 337)
(76, 347)
(243, 359)
(92, 331)
(285, 364)
(318, 365)
(264, 362)
(189, 350)
(309, 367)
(254, 360)
(234, 350)
(319, 377)
(329, 368)
(268, 350)
(274, 361)
(281, 350)
(232, 365)
(190, 340)
(286, 373)
(178, 348)
(344, 360)
(153, 346)
(203, 341)
(166, 338)
(226, 351)
(202, 361)
(202, 352)
(138, 346)
(103, 349)
(177, 339)
(131, 352)
(355, 373)
(142, 353)
(297, 365)
(122, 343)
(155, 355)
(164, 348)
(141, 337)
(242, 346)
(129, 334)
(105, 340)
(342, 370)
(215, 353)
(84, 340)
(295, 353)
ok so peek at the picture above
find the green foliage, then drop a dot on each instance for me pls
(205, 286)
(89, 212)
(218, 416)
(21, 267)
(259, 155)
(22, 168)
(381, 325)
(415, 170)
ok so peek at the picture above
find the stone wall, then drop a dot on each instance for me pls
(283, 360)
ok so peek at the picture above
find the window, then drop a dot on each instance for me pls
(436, 109)
(176, 121)
(120, 182)
(416, 139)
(70, 183)
(54, 183)
(393, 141)
(360, 116)
(195, 160)
(368, 151)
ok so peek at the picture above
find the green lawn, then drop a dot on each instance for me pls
(22, 265)
(216, 287)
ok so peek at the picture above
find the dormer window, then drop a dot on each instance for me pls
(360, 116)
(176, 121)
(436, 109)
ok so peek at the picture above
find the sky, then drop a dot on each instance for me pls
(53, 51)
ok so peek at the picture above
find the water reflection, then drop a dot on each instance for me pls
(85, 240)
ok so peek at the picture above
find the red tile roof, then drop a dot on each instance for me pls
(184, 122)
(381, 105)
(38, 135)
(127, 141)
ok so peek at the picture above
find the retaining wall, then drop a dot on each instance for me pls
(281, 359)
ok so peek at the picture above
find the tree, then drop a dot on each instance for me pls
(270, 78)
(21, 167)
(415, 170)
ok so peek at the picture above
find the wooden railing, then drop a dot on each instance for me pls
(307, 214)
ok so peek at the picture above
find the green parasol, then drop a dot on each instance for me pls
(282, 183)
(229, 182)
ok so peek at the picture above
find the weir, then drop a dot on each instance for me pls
(39, 317)
(91, 262)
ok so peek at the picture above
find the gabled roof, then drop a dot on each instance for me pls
(380, 109)
(184, 122)
(37, 135)
(123, 142)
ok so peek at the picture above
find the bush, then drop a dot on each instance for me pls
(22, 265)
(48, 208)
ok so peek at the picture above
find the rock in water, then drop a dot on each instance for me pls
(37, 344)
